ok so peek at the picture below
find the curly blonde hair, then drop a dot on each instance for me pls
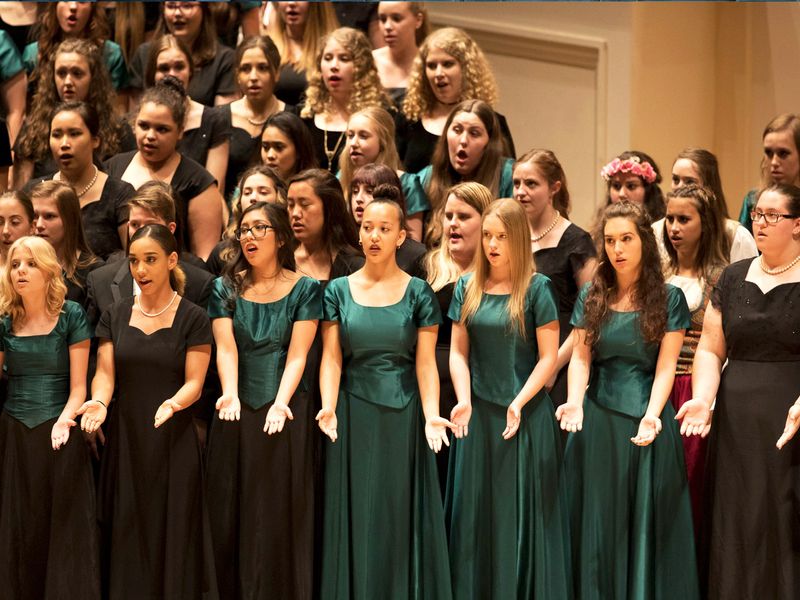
(367, 89)
(477, 81)
(46, 261)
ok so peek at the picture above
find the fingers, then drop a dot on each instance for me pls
(82, 409)
(681, 412)
(788, 433)
(289, 414)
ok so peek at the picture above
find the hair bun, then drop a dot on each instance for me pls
(173, 83)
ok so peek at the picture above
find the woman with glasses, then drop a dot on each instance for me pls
(751, 321)
(264, 316)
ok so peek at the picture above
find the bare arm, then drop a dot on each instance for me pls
(580, 364)
(330, 376)
(21, 173)
(205, 221)
(78, 366)
(14, 91)
(461, 378)
(94, 411)
(217, 163)
(228, 367)
(427, 373)
(582, 277)
(196, 365)
(303, 333)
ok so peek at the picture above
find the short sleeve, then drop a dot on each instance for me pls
(116, 65)
(426, 308)
(454, 312)
(219, 300)
(416, 198)
(30, 56)
(219, 127)
(506, 189)
(719, 291)
(577, 311)
(5, 328)
(78, 328)
(582, 250)
(10, 61)
(424, 176)
(103, 329)
(543, 302)
(331, 307)
(308, 305)
(224, 84)
(198, 332)
(678, 315)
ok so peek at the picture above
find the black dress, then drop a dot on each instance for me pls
(291, 87)
(244, 150)
(447, 393)
(212, 132)
(152, 512)
(189, 180)
(101, 219)
(215, 78)
(561, 264)
(76, 287)
(335, 143)
(415, 144)
(754, 488)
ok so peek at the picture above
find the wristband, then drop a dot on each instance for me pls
(100, 402)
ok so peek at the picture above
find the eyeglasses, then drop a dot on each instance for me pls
(769, 218)
(181, 6)
(258, 231)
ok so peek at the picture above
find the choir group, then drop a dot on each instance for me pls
(296, 320)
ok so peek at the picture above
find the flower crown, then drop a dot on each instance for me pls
(634, 165)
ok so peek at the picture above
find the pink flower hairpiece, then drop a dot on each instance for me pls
(633, 165)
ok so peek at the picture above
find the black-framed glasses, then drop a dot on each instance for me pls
(769, 218)
(258, 231)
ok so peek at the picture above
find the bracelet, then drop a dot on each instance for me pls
(100, 402)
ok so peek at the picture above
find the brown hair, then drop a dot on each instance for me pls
(157, 46)
(548, 165)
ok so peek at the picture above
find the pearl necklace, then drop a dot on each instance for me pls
(536, 238)
(162, 311)
(272, 109)
(779, 270)
(88, 187)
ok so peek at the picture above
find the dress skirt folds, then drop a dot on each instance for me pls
(48, 526)
(506, 512)
(383, 530)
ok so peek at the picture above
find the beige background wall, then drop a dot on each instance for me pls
(590, 80)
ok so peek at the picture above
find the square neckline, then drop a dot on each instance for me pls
(152, 333)
(353, 300)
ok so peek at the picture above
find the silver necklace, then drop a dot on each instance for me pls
(162, 311)
(536, 238)
(779, 270)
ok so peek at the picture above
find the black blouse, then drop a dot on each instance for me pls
(291, 87)
(212, 132)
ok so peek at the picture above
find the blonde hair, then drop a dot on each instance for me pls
(367, 89)
(320, 21)
(46, 261)
(384, 128)
(514, 220)
(477, 81)
(439, 263)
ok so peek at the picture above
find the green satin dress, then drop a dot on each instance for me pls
(383, 530)
(507, 516)
(631, 517)
(261, 487)
(48, 516)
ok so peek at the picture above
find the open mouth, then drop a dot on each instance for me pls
(250, 248)
(334, 80)
(374, 248)
(143, 283)
(359, 211)
(455, 236)
(66, 157)
(298, 227)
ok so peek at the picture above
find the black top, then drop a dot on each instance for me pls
(561, 264)
(212, 132)
(336, 139)
(445, 296)
(215, 78)
(189, 180)
(244, 151)
(76, 289)
(415, 144)
(409, 257)
(5, 146)
(347, 261)
(214, 262)
(101, 219)
(291, 87)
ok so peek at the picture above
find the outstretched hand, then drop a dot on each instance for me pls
(436, 432)
(229, 407)
(792, 423)
(60, 432)
(326, 418)
(513, 418)
(570, 416)
(695, 418)
(276, 418)
(649, 428)
(460, 416)
(94, 414)
(164, 413)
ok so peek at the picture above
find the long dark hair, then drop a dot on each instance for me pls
(649, 294)
(167, 242)
(236, 271)
(653, 196)
(293, 127)
(339, 229)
